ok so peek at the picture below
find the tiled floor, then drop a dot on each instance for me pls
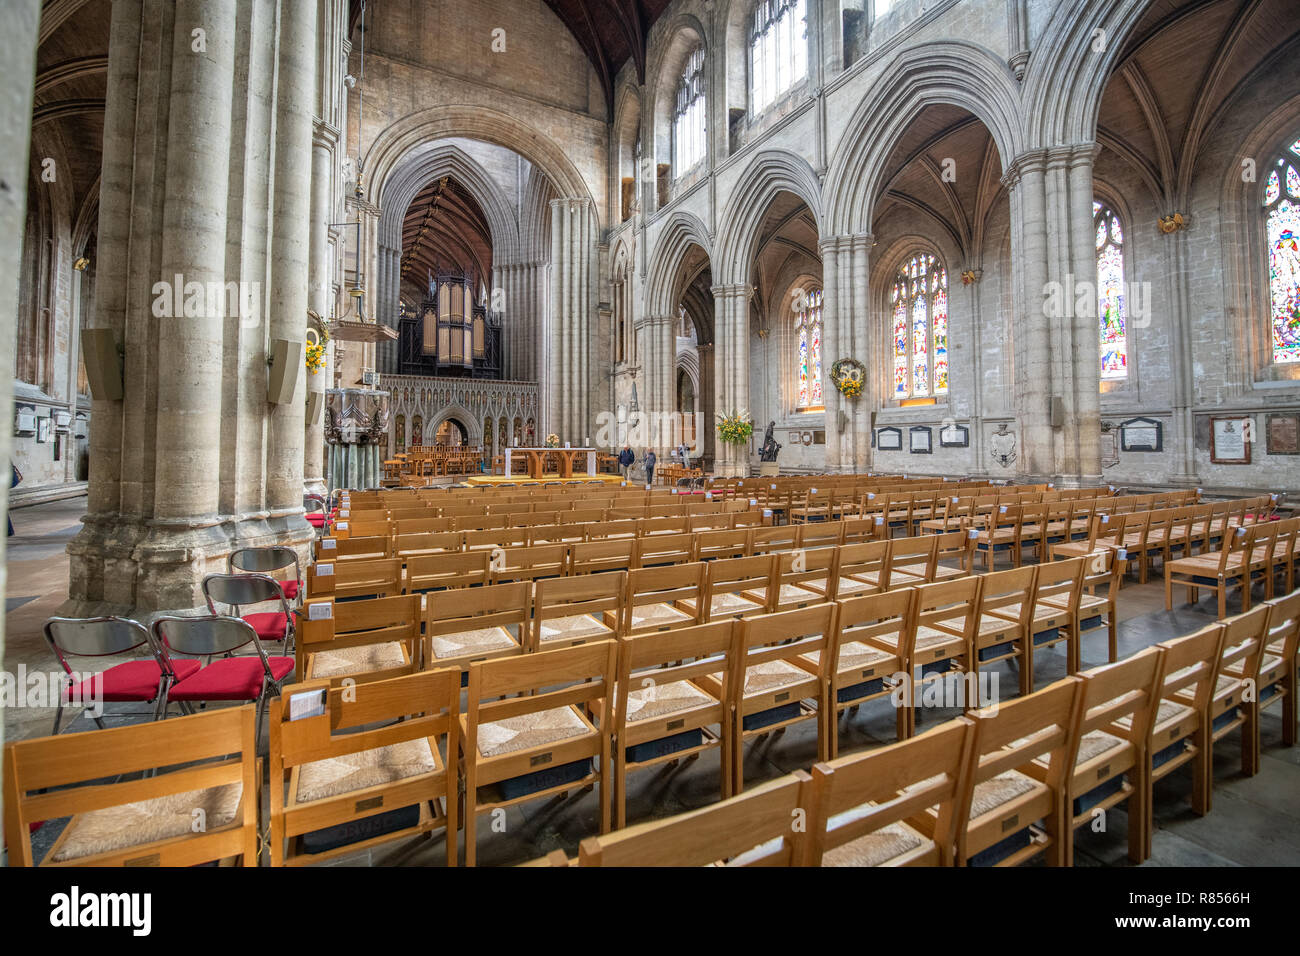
(1254, 821)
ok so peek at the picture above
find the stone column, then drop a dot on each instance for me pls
(18, 52)
(573, 297)
(866, 346)
(731, 368)
(322, 204)
(1025, 182)
(831, 349)
(291, 234)
(1084, 418)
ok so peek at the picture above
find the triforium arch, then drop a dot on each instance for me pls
(767, 175)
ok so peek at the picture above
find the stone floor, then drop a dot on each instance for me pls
(1254, 821)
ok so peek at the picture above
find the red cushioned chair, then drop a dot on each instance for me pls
(268, 561)
(143, 681)
(315, 511)
(239, 590)
(248, 678)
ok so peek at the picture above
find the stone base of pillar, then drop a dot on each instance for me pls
(314, 486)
(141, 570)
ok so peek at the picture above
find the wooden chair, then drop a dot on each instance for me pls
(1006, 610)
(777, 687)
(863, 655)
(951, 547)
(860, 568)
(821, 534)
(939, 639)
(765, 827)
(146, 814)
(804, 577)
(360, 640)
(663, 598)
(661, 711)
(858, 530)
(1244, 638)
(730, 543)
(736, 587)
(603, 554)
(1103, 577)
(769, 540)
(1119, 704)
(1219, 570)
(407, 546)
(442, 572)
(1013, 804)
(340, 784)
(895, 806)
(547, 710)
(576, 610)
(615, 528)
(1001, 532)
(911, 561)
(1055, 618)
(530, 564)
(663, 549)
(1179, 733)
(477, 624)
(342, 580)
(1275, 680)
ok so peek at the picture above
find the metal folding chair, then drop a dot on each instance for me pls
(238, 590)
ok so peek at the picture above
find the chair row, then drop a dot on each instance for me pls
(356, 766)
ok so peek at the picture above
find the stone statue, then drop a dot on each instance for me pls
(771, 448)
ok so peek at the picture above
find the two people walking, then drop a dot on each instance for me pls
(627, 457)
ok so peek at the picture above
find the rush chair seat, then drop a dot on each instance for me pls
(1000, 533)
(450, 571)
(603, 554)
(860, 568)
(146, 820)
(1219, 571)
(863, 661)
(1013, 800)
(939, 639)
(951, 546)
(1006, 611)
(911, 561)
(547, 710)
(803, 578)
(758, 828)
(268, 561)
(254, 678)
(576, 610)
(340, 784)
(775, 687)
(1244, 638)
(736, 587)
(662, 713)
(360, 641)
(1119, 703)
(477, 624)
(1179, 733)
(663, 598)
(241, 590)
(351, 580)
(143, 681)
(875, 809)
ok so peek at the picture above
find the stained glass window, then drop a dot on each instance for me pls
(689, 115)
(778, 49)
(808, 342)
(1282, 224)
(920, 303)
(1110, 293)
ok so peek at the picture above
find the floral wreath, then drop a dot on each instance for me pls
(848, 376)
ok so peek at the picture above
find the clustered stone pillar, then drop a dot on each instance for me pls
(846, 312)
(731, 370)
(574, 275)
(203, 265)
(1057, 370)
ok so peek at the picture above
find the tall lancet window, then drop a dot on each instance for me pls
(778, 49)
(1110, 293)
(689, 115)
(808, 345)
(1282, 232)
(920, 320)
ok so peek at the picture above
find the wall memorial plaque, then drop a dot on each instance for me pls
(1141, 434)
(1283, 433)
(954, 436)
(920, 440)
(1230, 440)
(889, 439)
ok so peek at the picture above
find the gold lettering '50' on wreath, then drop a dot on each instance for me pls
(848, 375)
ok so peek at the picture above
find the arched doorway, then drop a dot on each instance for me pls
(451, 432)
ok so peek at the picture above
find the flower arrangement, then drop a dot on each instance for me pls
(315, 356)
(848, 376)
(735, 429)
(552, 440)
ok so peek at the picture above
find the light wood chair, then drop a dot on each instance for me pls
(340, 784)
(864, 662)
(1219, 571)
(729, 543)
(1275, 680)
(911, 561)
(1103, 577)
(529, 564)
(1236, 678)
(662, 713)
(860, 568)
(360, 641)
(576, 610)
(371, 548)
(1013, 803)
(408, 546)
(147, 815)
(804, 577)
(768, 826)
(548, 710)
(769, 540)
(663, 598)
(438, 572)
(1003, 633)
(603, 554)
(776, 686)
(477, 624)
(895, 806)
(1055, 619)
(940, 638)
(737, 587)
(354, 579)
